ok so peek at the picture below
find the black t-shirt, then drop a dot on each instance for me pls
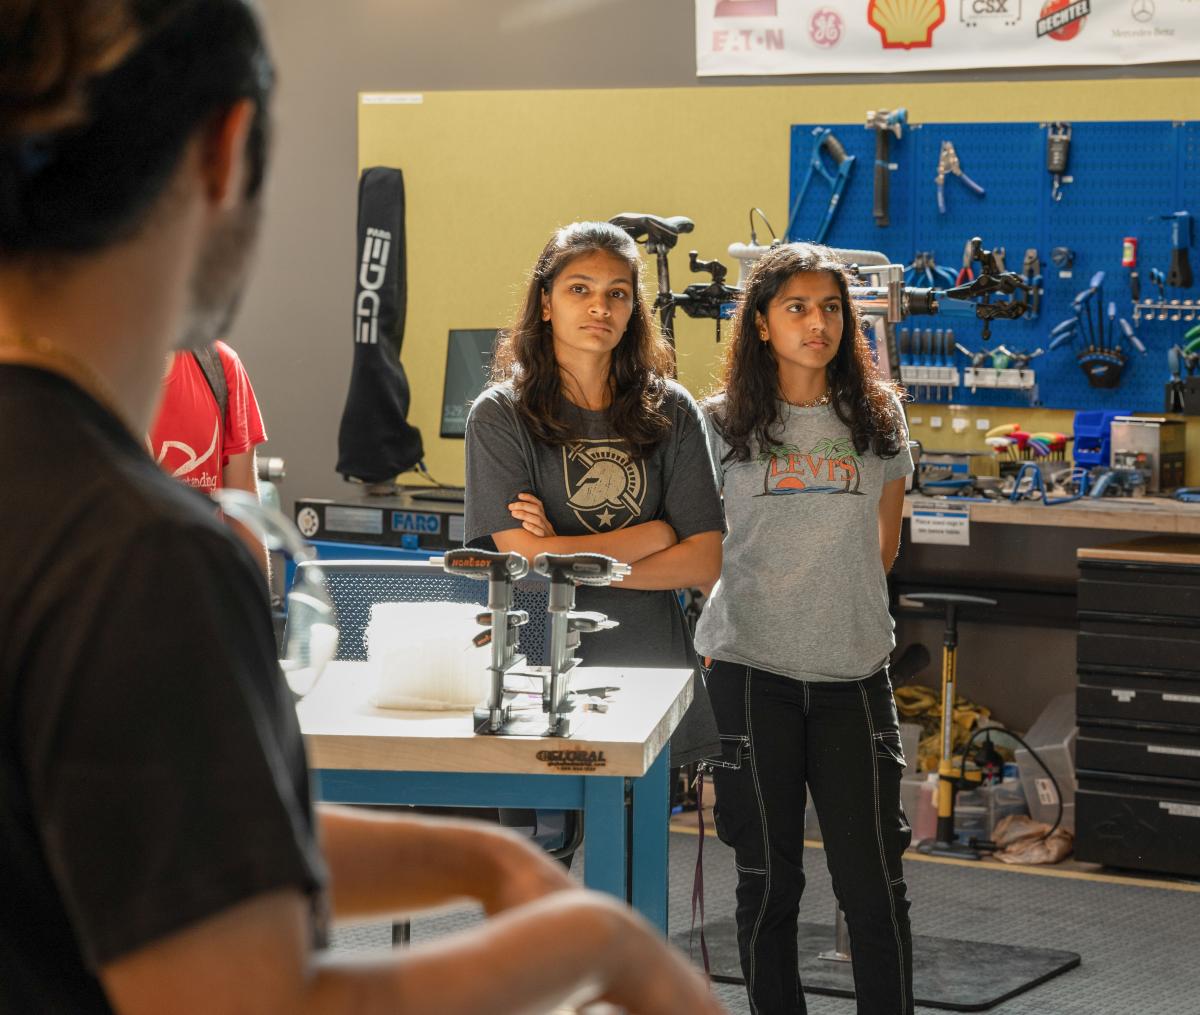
(152, 771)
(595, 485)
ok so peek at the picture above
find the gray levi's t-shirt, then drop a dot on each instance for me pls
(593, 485)
(802, 592)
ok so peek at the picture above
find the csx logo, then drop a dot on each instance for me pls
(371, 272)
(972, 9)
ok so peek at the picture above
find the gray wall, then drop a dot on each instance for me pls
(294, 330)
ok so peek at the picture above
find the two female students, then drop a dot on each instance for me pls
(583, 444)
(812, 455)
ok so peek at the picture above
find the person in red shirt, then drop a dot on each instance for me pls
(191, 442)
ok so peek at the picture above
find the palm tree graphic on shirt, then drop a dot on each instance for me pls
(830, 466)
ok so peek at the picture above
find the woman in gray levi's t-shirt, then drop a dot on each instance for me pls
(811, 452)
(803, 592)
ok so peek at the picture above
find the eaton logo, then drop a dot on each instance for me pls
(416, 521)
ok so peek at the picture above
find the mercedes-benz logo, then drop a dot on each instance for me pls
(1142, 10)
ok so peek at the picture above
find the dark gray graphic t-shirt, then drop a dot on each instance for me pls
(594, 485)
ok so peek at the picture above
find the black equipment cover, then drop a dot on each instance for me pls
(376, 443)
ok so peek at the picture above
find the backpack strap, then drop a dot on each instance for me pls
(209, 361)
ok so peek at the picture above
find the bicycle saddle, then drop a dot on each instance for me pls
(653, 228)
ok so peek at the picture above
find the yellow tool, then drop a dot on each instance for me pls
(950, 772)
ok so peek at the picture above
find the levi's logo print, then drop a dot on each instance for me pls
(832, 466)
(605, 486)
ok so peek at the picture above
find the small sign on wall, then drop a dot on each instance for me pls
(941, 521)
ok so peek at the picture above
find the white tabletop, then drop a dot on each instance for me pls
(344, 731)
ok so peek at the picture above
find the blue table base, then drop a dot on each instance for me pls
(611, 805)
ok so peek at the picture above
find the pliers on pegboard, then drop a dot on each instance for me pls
(948, 163)
(966, 273)
(925, 271)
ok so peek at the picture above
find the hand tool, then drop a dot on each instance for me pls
(1030, 484)
(1129, 260)
(1065, 336)
(1129, 333)
(1022, 359)
(884, 122)
(823, 141)
(1180, 274)
(925, 271)
(966, 273)
(976, 359)
(1031, 269)
(1157, 279)
(1058, 148)
(1063, 258)
(948, 162)
(1174, 399)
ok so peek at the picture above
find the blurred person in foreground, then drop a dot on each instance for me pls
(159, 849)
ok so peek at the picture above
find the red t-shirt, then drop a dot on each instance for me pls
(187, 440)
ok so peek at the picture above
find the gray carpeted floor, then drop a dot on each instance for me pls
(1140, 946)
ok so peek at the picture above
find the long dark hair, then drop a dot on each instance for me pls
(98, 100)
(640, 362)
(862, 399)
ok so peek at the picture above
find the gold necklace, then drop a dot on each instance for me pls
(39, 351)
(813, 403)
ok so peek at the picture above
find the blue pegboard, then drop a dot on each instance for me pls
(1123, 174)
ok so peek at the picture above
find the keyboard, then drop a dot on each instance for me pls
(454, 494)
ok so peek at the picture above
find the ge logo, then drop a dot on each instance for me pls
(307, 522)
(1142, 10)
(825, 28)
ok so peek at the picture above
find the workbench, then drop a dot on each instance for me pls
(614, 768)
(1126, 514)
(1017, 656)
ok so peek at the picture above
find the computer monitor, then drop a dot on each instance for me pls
(468, 365)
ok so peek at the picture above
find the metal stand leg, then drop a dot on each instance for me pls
(841, 940)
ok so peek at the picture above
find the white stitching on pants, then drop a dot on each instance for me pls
(882, 856)
(749, 870)
(762, 812)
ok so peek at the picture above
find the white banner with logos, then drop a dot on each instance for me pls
(736, 37)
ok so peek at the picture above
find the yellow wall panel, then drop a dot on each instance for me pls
(489, 175)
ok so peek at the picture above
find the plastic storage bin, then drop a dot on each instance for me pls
(1053, 737)
(1093, 436)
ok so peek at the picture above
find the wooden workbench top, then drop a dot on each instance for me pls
(1138, 514)
(342, 730)
(1151, 550)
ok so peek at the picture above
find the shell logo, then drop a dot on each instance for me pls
(906, 24)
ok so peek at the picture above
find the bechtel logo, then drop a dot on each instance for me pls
(1063, 19)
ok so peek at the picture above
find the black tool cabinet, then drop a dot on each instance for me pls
(1138, 705)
